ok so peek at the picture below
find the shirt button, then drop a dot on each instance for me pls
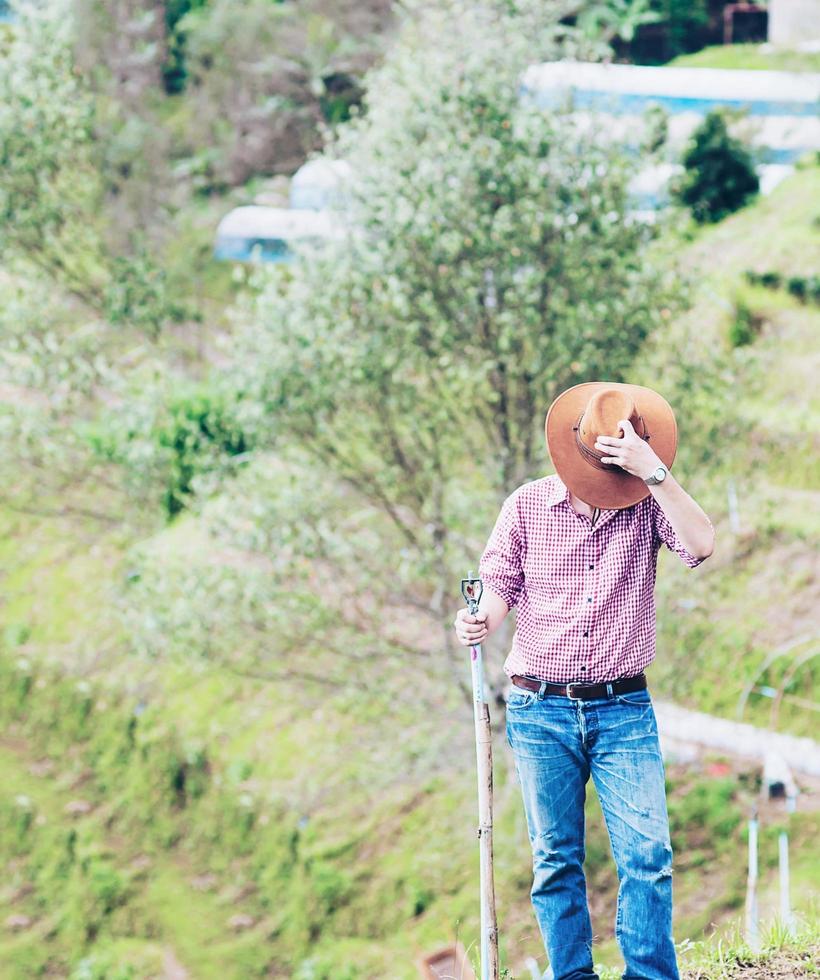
(591, 566)
(586, 632)
(589, 598)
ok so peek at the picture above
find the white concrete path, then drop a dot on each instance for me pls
(696, 728)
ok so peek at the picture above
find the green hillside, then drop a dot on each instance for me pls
(174, 811)
(756, 593)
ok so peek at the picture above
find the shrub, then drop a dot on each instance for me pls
(720, 175)
(798, 287)
(174, 71)
(745, 325)
(804, 288)
(198, 425)
(769, 280)
(168, 440)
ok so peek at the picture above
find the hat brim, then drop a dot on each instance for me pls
(615, 488)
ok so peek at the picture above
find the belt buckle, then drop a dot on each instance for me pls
(569, 691)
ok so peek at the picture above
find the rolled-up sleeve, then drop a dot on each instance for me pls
(665, 534)
(500, 567)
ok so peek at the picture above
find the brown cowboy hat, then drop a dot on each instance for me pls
(582, 413)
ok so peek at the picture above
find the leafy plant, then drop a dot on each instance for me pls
(170, 438)
(198, 426)
(617, 18)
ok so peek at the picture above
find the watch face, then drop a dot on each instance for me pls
(660, 473)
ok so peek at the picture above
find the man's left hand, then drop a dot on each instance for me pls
(631, 453)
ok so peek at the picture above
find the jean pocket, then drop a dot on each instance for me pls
(519, 697)
(641, 697)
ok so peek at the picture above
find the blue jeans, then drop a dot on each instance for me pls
(557, 743)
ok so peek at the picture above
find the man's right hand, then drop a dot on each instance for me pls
(470, 630)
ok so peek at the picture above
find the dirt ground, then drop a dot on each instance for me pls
(780, 966)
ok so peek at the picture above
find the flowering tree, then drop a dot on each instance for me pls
(489, 262)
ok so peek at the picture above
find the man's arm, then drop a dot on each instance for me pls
(502, 576)
(687, 517)
(495, 608)
(475, 629)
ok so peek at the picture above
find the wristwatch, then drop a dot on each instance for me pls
(657, 476)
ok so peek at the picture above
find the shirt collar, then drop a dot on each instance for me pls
(558, 493)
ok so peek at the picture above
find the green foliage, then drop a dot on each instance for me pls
(197, 427)
(331, 887)
(617, 18)
(204, 170)
(325, 967)
(677, 27)
(803, 288)
(16, 818)
(656, 130)
(769, 280)
(49, 187)
(53, 359)
(173, 438)
(138, 293)
(240, 568)
(94, 889)
(56, 172)
(708, 805)
(745, 324)
(102, 967)
(686, 23)
(174, 72)
(720, 174)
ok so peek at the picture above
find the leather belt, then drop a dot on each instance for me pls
(581, 691)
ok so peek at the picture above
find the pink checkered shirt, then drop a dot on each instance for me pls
(584, 595)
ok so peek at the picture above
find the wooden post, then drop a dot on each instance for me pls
(484, 758)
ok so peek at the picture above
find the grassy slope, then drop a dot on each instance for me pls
(391, 850)
(400, 870)
(782, 954)
(752, 56)
(718, 624)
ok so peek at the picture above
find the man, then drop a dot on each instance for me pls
(577, 554)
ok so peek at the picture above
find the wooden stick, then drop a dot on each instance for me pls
(484, 759)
